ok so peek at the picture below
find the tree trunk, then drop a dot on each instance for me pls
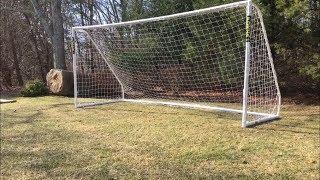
(315, 22)
(16, 61)
(36, 49)
(91, 13)
(81, 13)
(90, 4)
(183, 6)
(273, 21)
(48, 56)
(46, 52)
(114, 10)
(58, 35)
(54, 30)
(6, 73)
(123, 5)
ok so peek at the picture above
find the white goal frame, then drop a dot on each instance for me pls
(244, 111)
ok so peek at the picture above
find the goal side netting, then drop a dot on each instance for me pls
(216, 59)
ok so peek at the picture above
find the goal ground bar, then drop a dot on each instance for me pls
(90, 104)
(262, 120)
(195, 106)
(267, 117)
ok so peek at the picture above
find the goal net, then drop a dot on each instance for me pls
(216, 59)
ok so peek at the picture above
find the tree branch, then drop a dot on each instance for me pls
(16, 10)
(37, 9)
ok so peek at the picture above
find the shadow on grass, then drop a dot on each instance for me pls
(308, 126)
(299, 125)
(62, 153)
(293, 127)
(44, 153)
(29, 118)
(200, 113)
(291, 130)
(34, 151)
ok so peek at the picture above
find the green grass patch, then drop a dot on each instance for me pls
(46, 137)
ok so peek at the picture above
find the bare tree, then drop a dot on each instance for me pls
(16, 61)
(35, 47)
(54, 28)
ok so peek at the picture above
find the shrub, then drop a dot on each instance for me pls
(34, 88)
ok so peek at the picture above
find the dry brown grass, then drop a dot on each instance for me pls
(47, 138)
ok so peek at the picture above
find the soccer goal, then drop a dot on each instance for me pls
(216, 58)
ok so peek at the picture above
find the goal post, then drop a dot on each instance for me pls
(246, 64)
(216, 58)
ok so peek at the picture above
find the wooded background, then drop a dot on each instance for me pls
(35, 35)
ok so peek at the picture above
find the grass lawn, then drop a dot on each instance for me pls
(47, 137)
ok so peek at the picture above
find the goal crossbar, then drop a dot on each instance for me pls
(167, 17)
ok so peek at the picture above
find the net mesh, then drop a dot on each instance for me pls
(195, 58)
